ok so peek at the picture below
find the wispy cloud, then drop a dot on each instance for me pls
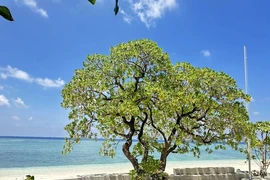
(30, 118)
(15, 73)
(4, 101)
(149, 11)
(15, 118)
(1, 87)
(32, 4)
(50, 83)
(20, 103)
(252, 99)
(206, 53)
(22, 75)
(127, 18)
(256, 113)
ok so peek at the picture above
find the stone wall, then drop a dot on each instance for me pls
(208, 173)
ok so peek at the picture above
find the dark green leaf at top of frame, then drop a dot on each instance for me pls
(5, 13)
(116, 9)
(92, 1)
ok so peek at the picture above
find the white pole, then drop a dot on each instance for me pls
(246, 87)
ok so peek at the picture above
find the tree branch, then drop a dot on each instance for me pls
(142, 126)
(126, 121)
(120, 134)
(153, 125)
(205, 141)
(145, 145)
(118, 83)
(171, 149)
(200, 118)
(136, 65)
(179, 117)
(190, 112)
(100, 93)
(177, 123)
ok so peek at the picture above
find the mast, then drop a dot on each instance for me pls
(247, 107)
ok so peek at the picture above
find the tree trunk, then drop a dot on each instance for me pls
(145, 154)
(161, 175)
(164, 155)
(129, 156)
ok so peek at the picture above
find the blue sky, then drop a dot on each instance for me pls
(49, 39)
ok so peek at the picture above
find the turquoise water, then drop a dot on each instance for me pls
(42, 152)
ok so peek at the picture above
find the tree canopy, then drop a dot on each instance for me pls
(135, 92)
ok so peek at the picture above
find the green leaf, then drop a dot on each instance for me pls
(5, 13)
(116, 8)
(92, 1)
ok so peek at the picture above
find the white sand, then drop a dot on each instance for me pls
(50, 173)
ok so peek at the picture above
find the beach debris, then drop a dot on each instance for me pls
(29, 177)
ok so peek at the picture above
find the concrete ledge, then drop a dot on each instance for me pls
(202, 171)
(209, 173)
(206, 177)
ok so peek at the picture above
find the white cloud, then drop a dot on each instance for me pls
(15, 118)
(150, 10)
(1, 87)
(4, 101)
(32, 4)
(206, 53)
(50, 83)
(15, 73)
(30, 118)
(252, 99)
(19, 103)
(127, 18)
(22, 75)
(256, 113)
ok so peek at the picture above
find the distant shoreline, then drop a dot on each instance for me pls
(63, 138)
(40, 137)
(32, 137)
(53, 138)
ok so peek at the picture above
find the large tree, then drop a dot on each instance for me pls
(135, 92)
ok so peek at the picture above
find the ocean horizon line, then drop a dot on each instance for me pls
(53, 138)
(63, 138)
(44, 137)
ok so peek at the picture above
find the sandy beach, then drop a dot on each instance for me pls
(61, 172)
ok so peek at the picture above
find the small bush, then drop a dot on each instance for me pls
(29, 177)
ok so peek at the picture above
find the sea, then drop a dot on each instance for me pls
(25, 152)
